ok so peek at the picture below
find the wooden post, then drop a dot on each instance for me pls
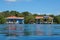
(23, 21)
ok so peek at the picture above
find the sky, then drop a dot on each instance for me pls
(33, 6)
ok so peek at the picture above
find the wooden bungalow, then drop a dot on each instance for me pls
(44, 19)
(14, 19)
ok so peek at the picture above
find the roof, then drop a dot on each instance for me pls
(38, 17)
(14, 17)
(50, 17)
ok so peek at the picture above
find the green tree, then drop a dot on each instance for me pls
(2, 19)
(29, 18)
(35, 14)
(51, 15)
(57, 19)
(6, 13)
(26, 14)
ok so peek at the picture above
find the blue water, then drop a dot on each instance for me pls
(30, 38)
(49, 32)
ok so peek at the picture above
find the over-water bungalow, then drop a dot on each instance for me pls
(44, 20)
(14, 19)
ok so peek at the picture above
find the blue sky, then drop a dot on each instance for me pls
(34, 6)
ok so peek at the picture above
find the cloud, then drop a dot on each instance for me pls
(11, 0)
(18, 0)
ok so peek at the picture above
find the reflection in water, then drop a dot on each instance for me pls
(12, 38)
(30, 29)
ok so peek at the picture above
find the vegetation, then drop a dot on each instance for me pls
(27, 15)
(2, 19)
(57, 19)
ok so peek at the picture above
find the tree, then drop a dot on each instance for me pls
(51, 15)
(26, 14)
(57, 19)
(15, 13)
(6, 13)
(2, 19)
(29, 18)
(35, 14)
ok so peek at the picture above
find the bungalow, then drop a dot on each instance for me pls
(44, 19)
(14, 19)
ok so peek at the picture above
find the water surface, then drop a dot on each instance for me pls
(30, 31)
